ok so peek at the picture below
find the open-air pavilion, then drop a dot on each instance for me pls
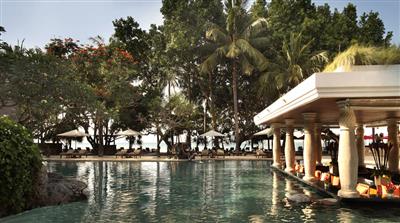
(348, 99)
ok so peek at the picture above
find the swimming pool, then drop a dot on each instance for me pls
(208, 191)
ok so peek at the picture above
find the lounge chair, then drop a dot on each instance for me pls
(82, 153)
(136, 153)
(69, 154)
(121, 153)
(204, 153)
(260, 154)
(220, 152)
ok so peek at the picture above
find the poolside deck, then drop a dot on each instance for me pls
(361, 201)
(148, 158)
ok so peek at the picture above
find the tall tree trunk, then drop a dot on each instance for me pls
(169, 89)
(205, 117)
(235, 103)
(189, 139)
(158, 143)
(211, 101)
(101, 143)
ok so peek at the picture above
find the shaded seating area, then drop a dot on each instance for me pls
(70, 153)
(135, 153)
(351, 100)
(263, 154)
(121, 153)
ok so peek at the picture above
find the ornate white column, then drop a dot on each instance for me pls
(290, 155)
(276, 148)
(309, 149)
(347, 155)
(318, 144)
(394, 152)
(360, 144)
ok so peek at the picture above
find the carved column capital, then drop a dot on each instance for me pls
(347, 117)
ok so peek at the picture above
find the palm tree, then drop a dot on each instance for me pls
(235, 45)
(293, 64)
(172, 81)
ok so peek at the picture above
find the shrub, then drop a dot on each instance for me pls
(20, 162)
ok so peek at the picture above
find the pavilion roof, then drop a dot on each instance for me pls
(373, 92)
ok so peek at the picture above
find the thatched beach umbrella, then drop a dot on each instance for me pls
(266, 132)
(73, 134)
(128, 133)
(212, 133)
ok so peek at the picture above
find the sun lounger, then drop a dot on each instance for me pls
(260, 154)
(121, 153)
(82, 153)
(69, 154)
(136, 153)
(220, 152)
(204, 153)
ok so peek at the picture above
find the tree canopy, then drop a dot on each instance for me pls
(210, 65)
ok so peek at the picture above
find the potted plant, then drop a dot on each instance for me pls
(380, 153)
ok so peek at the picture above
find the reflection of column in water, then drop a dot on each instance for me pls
(288, 186)
(308, 211)
(275, 193)
(344, 216)
(307, 192)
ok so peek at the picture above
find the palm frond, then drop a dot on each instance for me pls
(253, 55)
(213, 60)
(255, 28)
(234, 51)
(217, 35)
(246, 66)
(260, 43)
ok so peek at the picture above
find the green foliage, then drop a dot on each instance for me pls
(294, 63)
(363, 55)
(20, 162)
(233, 45)
(372, 30)
(259, 9)
(39, 86)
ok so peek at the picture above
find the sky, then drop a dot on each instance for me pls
(37, 21)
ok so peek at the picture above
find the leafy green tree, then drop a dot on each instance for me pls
(38, 87)
(20, 163)
(372, 30)
(108, 71)
(234, 44)
(295, 63)
(259, 9)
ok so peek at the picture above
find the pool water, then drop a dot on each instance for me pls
(208, 191)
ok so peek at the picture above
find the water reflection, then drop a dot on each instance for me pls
(275, 194)
(208, 191)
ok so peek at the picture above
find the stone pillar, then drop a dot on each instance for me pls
(318, 144)
(290, 155)
(276, 148)
(347, 155)
(360, 144)
(309, 148)
(394, 152)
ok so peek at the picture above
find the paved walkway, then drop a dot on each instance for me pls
(369, 160)
(149, 158)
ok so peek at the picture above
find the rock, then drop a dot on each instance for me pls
(61, 190)
(39, 188)
(327, 201)
(298, 198)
